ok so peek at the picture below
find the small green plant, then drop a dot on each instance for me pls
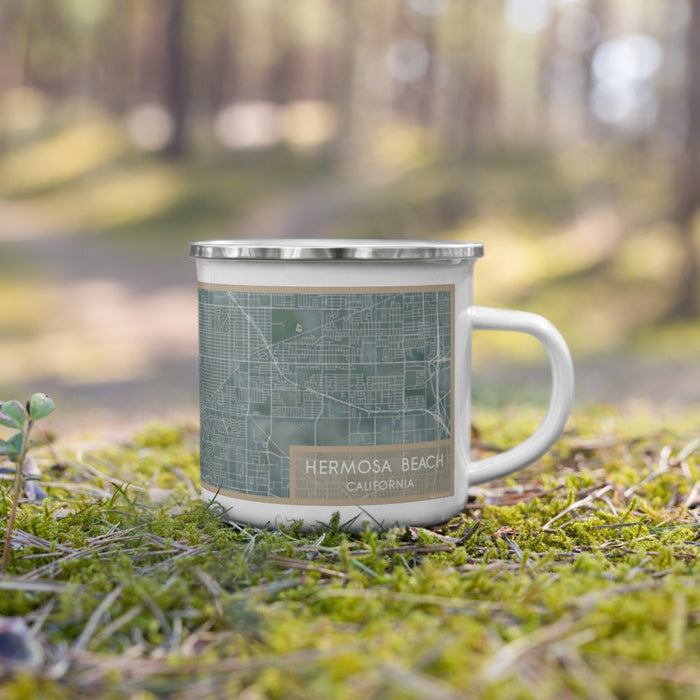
(21, 418)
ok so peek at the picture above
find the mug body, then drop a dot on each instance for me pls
(335, 379)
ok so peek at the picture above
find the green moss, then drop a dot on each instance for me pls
(579, 572)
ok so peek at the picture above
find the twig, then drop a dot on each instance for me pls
(288, 563)
(270, 588)
(212, 585)
(418, 684)
(15, 584)
(82, 641)
(571, 659)
(112, 627)
(687, 451)
(419, 549)
(130, 668)
(664, 456)
(574, 506)
(504, 661)
(41, 615)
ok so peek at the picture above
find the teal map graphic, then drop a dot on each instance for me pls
(341, 367)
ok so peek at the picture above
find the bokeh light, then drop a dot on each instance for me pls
(529, 16)
(623, 104)
(630, 58)
(623, 69)
(429, 8)
(248, 125)
(149, 126)
(308, 124)
(407, 60)
(577, 29)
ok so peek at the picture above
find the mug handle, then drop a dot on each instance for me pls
(560, 400)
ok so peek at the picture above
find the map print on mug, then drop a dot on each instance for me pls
(335, 377)
(338, 394)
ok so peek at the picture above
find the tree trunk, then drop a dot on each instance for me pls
(687, 304)
(175, 74)
(340, 79)
(223, 69)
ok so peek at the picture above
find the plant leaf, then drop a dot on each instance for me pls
(12, 414)
(12, 448)
(40, 405)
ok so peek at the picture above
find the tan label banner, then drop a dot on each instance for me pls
(336, 475)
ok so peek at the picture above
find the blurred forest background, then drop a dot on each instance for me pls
(564, 134)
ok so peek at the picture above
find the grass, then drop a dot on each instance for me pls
(577, 577)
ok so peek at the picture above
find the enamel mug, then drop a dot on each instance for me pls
(335, 377)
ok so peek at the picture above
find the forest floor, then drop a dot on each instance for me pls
(575, 578)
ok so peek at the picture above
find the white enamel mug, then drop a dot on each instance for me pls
(335, 377)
